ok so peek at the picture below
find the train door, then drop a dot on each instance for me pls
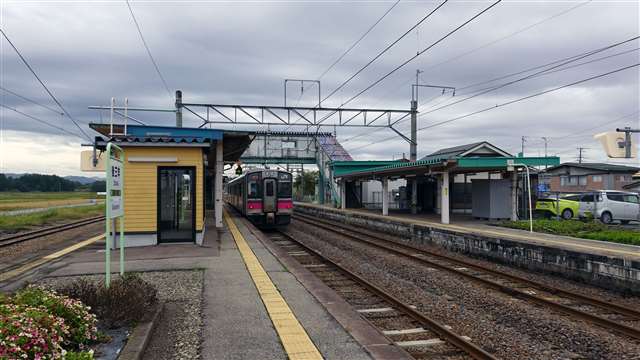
(176, 204)
(269, 201)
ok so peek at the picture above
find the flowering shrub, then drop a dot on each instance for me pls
(31, 333)
(81, 323)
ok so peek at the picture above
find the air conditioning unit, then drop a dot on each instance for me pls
(613, 143)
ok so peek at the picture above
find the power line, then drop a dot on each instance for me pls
(40, 120)
(421, 52)
(350, 48)
(385, 50)
(357, 41)
(541, 72)
(529, 96)
(495, 41)
(30, 100)
(509, 35)
(512, 102)
(144, 42)
(43, 85)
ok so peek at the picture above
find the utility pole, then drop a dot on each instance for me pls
(546, 140)
(178, 108)
(627, 140)
(580, 157)
(524, 140)
(413, 146)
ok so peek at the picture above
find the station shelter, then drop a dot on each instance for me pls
(478, 179)
(173, 179)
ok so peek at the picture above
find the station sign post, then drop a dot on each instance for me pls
(114, 205)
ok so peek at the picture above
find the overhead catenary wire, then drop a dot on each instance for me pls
(391, 45)
(541, 72)
(440, 123)
(357, 41)
(345, 53)
(421, 52)
(26, 63)
(146, 46)
(31, 100)
(552, 70)
(41, 121)
(493, 42)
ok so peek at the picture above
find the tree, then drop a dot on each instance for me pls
(310, 179)
(98, 186)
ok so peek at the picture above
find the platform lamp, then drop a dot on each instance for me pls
(511, 164)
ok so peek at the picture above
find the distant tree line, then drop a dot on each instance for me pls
(45, 183)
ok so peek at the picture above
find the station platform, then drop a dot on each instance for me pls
(256, 303)
(611, 265)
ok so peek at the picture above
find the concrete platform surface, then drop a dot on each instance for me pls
(236, 323)
(466, 224)
(606, 264)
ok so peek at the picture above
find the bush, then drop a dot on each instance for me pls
(82, 355)
(30, 332)
(76, 315)
(585, 230)
(127, 301)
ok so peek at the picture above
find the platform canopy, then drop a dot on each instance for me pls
(234, 142)
(470, 158)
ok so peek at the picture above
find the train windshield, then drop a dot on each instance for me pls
(284, 189)
(253, 189)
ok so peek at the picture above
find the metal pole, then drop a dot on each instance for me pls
(178, 108)
(107, 250)
(122, 217)
(126, 105)
(113, 104)
(530, 205)
(627, 143)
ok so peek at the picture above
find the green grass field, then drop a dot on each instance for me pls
(22, 222)
(30, 200)
(586, 230)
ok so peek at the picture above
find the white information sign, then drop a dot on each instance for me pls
(115, 182)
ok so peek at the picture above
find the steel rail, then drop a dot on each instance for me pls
(416, 255)
(548, 288)
(30, 235)
(470, 348)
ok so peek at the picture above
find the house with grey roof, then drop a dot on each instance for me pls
(579, 177)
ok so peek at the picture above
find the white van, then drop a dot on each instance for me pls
(609, 206)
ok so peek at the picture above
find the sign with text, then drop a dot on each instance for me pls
(115, 189)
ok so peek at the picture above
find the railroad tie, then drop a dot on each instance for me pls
(405, 331)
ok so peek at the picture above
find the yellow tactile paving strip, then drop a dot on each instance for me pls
(31, 265)
(294, 338)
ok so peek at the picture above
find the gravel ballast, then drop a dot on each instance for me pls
(505, 326)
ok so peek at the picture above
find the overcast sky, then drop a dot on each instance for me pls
(240, 52)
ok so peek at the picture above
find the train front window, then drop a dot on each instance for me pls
(284, 189)
(253, 189)
(269, 188)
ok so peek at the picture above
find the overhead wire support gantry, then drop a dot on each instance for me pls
(286, 115)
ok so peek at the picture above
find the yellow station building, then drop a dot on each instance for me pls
(172, 179)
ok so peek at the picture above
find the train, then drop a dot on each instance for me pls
(263, 196)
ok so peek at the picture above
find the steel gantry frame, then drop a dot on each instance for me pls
(288, 115)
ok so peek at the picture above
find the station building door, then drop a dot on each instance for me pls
(176, 204)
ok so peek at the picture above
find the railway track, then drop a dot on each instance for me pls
(30, 235)
(617, 318)
(419, 335)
